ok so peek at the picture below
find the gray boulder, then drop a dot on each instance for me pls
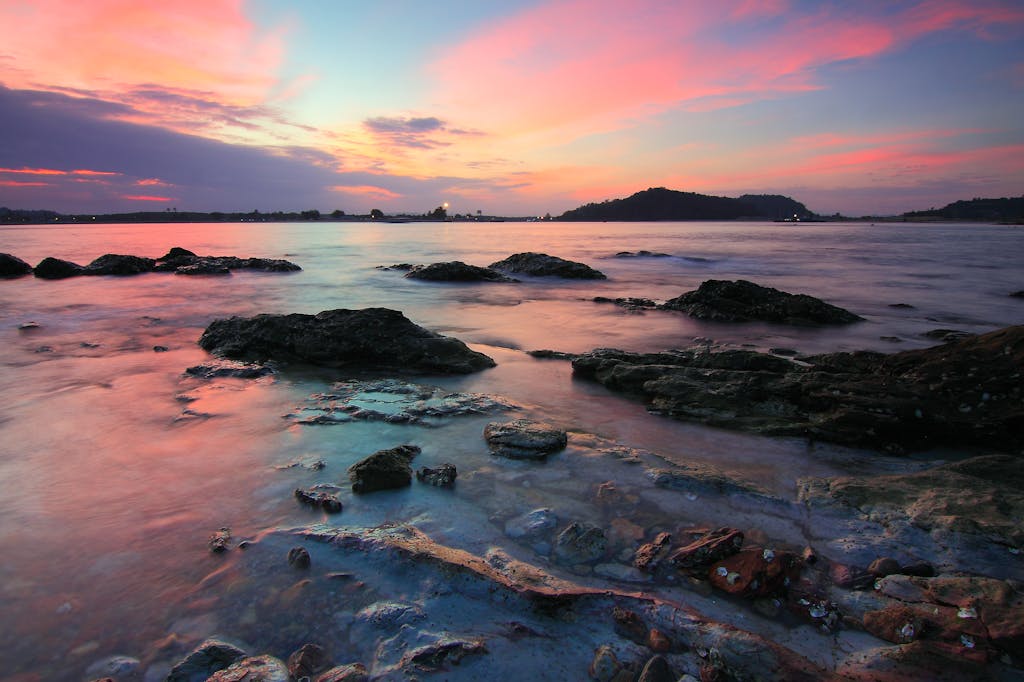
(543, 265)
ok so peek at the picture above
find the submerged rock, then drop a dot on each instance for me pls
(353, 672)
(202, 268)
(580, 543)
(962, 393)
(218, 542)
(524, 439)
(326, 501)
(743, 301)
(298, 557)
(205, 660)
(383, 469)
(629, 302)
(185, 262)
(543, 265)
(374, 337)
(442, 477)
(309, 660)
(55, 268)
(117, 264)
(12, 266)
(456, 271)
(225, 368)
(712, 546)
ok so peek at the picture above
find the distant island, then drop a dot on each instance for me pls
(983, 210)
(659, 203)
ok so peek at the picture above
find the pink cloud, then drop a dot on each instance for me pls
(23, 183)
(144, 197)
(367, 191)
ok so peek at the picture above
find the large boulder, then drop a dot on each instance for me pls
(543, 265)
(524, 439)
(12, 266)
(456, 271)
(55, 268)
(743, 301)
(383, 470)
(117, 264)
(373, 337)
(966, 392)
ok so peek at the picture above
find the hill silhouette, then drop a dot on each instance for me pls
(1011, 209)
(659, 203)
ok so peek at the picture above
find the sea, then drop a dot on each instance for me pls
(116, 466)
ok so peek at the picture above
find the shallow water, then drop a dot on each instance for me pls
(115, 467)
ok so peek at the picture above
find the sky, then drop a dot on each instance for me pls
(506, 107)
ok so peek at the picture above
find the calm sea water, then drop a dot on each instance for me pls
(109, 489)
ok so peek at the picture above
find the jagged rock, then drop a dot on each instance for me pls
(962, 393)
(743, 301)
(205, 660)
(298, 557)
(326, 501)
(641, 254)
(649, 555)
(543, 265)
(55, 268)
(524, 439)
(375, 337)
(712, 546)
(383, 469)
(754, 572)
(353, 672)
(629, 303)
(443, 477)
(225, 368)
(580, 543)
(456, 271)
(12, 266)
(185, 262)
(117, 264)
(202, 268)
(605, 665)
(307, 661)
(253, 669)
(435, 656)
(218, 542)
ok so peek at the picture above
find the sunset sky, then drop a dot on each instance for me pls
(507, 107)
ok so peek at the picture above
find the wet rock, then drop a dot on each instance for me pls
(185, 262)
(326, 501)
(456, 271)
(543, 265)
(25, 326)
(547, 354)
(657, 669)
(849, 577)
(947, 335)
(12, 266)
(629, 625)
(383, 469)
(605, 665)
(743, 301)
(177, 252)
(659, 642)
(308, 661)
(641, 254)
(298, 557)
(884, 566)
(1017, 294)
(161, 349)
(121, 265)
(121, 668)
(446, 650)
(204, 267)
(206, 659)
(218, 542)
(225, 368)
(443, 477)
(649, 555)
(524, 439)
(962, 393)
(372, 337)
(388, 615)
(532, 524)
(55, 268)
(628, 302)
(710, 547)
(580, 543)
(353, 672)
(253, 669)
(754, 572)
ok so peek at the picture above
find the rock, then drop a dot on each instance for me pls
(55, 268)
(961, 393)
(605, 665)
(849, 577)
(641, 254)
(374, 337)
(432, 657)
(204, 267)
(308, 661)
(1018, 294)
(921, 569)
(121, 668)
(710, 547)
(524, 439)
(185, 262)
(219, 541)
(884, 566)
(649, 555)
(116, 264)
(177, 252)
(947, 335)
(657, 669)
(580, 543)
(531, 524)
(629, 303)
(206, 659)
(225, 368)
(543, 265)
(253, 669)
(659, 642)
(443, 477)
(754, 572)
(161, 349)
(629, 625)
(353, 672)
(456, 271)
(298, 557)
(12, 266)
(326, 501)
(383, 469)
(743, 301)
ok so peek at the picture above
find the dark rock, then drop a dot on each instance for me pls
(524, 439)
(206, 659)
(849, 577)
(264, 265)
(435, 656)
(202, 268)
(659, 642)
(218, 542)
(375, 337)
(353, 672)
(641, 254)
(962, 393)
(947, 335)
(712, 546)
(545, 354)
(161, 349)
(657, 669)
(326, 501)
(920, 569)
(456, 271)
(629, 625)
(543, 265)
(177, 252)
(217, 370)
(649, 555)
(605, 666)
(743, 301)
(442, 477)
(12, 266)
(383, 469)
(629, 303)
(253, 669)
(754, 572)
(117, 264)
(905, 306)
(883, 566)
(580, 543)
(307, 661)
(55, 268)
(1018, 294)
(298, 557)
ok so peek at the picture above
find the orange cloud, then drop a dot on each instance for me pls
(144, 197)
(23, 183)
(368, 191)
(33, 171)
